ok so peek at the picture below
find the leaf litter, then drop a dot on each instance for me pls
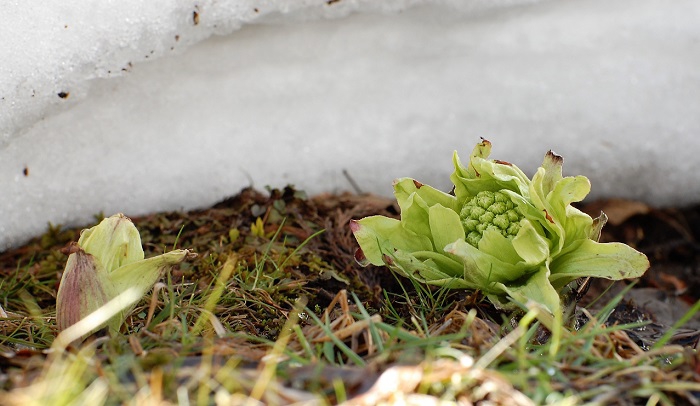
(275, 310)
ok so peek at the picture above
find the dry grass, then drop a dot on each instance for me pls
(275, 311)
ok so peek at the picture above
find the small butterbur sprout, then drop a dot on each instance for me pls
(258, 228)
(513, 238)
(107, 260)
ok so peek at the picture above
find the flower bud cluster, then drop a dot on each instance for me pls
(490, 211)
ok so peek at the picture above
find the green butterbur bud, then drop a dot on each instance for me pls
(490, 211)
(108, 260)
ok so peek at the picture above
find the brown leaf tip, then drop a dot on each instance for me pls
(549, 218)
(555, 157)
(71, 248)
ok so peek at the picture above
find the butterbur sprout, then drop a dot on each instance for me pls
(107, 260)
(513, 238)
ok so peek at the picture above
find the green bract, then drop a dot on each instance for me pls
(500, 233)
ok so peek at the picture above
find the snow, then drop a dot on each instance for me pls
(161, 113)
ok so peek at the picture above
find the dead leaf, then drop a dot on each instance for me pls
(617, 210)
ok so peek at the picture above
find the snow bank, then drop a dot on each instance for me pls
(136, 107)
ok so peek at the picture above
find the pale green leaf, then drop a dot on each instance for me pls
(614, 261)
(414, 215)
(404, 187)
(445, 226)
(536, 288)
(114, 242)
(480, 269)
(447, 264)
(143, 274)
(377, 234)
(530, 245)
(495, 244)
(426, 271)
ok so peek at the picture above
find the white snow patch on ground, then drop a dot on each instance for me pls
(160, 114)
